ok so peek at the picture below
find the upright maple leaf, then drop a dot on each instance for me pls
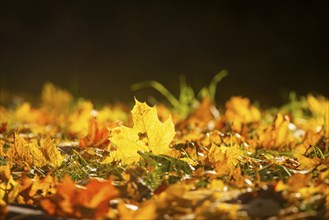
(147, 134)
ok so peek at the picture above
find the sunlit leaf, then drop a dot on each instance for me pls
(195, 159)
(148, 134)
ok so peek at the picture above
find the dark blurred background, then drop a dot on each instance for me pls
(97, 49)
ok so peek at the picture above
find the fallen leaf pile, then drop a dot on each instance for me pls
(64, 157)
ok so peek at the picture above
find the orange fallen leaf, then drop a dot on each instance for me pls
(71, 200)
(96, 137)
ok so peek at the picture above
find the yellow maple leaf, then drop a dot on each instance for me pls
(147, 134)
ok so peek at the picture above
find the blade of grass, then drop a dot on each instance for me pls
(160, 88)
(213, 85)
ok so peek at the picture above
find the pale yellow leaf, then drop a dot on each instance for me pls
(147, 134)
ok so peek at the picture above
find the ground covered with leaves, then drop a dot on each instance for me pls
(188, 159)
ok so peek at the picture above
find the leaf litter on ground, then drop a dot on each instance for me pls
(192, 159)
